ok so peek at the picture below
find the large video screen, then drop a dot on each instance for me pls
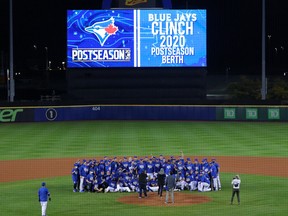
(136, 38)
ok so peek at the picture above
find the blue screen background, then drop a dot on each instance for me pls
(77, 37)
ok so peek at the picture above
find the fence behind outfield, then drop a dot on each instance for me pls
(144, 112)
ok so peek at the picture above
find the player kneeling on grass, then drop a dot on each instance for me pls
(112, 187)
(134, 185)
(152, 185)
(204, 184)
(122, 186)
(193, 182)
(96, 187)
(89, 181)
(181, 183)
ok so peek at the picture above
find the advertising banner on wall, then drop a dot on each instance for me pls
(10, 115)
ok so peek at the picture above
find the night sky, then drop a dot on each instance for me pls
(233, 31)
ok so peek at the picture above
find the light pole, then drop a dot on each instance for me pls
(46, 58)
(264, 81)
(11, 90)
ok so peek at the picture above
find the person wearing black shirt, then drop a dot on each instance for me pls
(142, 184)
(161, 181)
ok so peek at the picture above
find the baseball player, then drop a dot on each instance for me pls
(214, 175)
(141, 167)
(150, 169)
(43, 196)
(196, 166)
(125, 164)
(122, 186)
(152, 184)
(75, 177)
(157, 166)
(83, 170)
(218, 172)
(112, 186)
(189, 166)
(204, 184)
(181, 183)
(90, 180)
(193, 182)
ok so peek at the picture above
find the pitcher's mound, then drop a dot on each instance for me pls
(181, 199)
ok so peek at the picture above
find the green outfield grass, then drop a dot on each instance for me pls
(93, 138)
(261, 195)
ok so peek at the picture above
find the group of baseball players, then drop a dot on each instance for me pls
(122, 175)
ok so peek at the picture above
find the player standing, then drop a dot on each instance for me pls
(75, 177)
(43, 196)
(218, 172)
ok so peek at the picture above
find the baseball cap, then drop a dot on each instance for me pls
(43, 184)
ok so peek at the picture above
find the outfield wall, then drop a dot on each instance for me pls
(138, 112)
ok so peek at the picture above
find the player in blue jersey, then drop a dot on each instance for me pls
(196, 166)
(181, 169)
(112, 186)
(108, 167)
(90, 180)
(134, 184)
(188, 166)
(205, 166)
(75, 177)
(152, 184)
(101, 166)
(193, 182)
(43, 196)
(214, 175)
(83, 171)
(122, 185)
(157, 166)
(150, 169)
(125, 164)
(218, 172)
(141, 167)
(204, 184)
(168, 167)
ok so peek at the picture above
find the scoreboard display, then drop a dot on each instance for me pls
(136, 38)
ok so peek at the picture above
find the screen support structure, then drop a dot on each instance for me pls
(264, 80)
(106, 4)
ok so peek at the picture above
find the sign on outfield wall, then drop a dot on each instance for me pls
(8, 115)
(252, 113)
(243, 113)
(273, 113)
(229, 113)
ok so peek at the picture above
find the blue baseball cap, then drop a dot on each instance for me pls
(43, 184)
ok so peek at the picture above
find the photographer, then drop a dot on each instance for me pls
(236, 188)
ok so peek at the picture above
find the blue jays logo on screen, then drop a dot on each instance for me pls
(103, 30)
(136, 38)
(100, 38)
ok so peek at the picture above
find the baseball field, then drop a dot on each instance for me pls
(31, 153)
